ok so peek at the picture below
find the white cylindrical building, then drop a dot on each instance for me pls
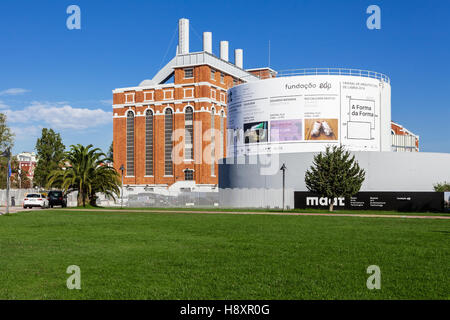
(310, 110)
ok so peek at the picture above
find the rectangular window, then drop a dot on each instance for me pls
(168, 128)
(213, 143)
(222, 97)
(168, 94)
(189, 133)
(189, 93)
(149, 143)
(213, 74)
(130, 144)
(213, 94)
(148, 95)
(189, 175)
(188, 73)
(222, 78)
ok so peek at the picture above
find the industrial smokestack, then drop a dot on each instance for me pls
(239, 58)
(183, 36)
(224, 50)
(207, 42)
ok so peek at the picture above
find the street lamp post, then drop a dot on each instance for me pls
(283, 168)
(122, 168)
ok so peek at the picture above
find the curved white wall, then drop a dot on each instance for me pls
(257, 181)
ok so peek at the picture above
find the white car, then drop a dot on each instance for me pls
(35, 200)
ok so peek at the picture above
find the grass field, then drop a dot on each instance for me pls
(142, 255)
(339, 211)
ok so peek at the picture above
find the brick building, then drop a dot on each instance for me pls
(181, 111)
(403, 140)
(27, 163)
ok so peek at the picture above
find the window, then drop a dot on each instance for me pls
(213, 74)
(212, 144)
(168, 94)
(189, 133)
(213, 94)
(188, 175)
(168, 128)
(149, 143)
(148, 95)
(130, 144)
(129, 97)
(222, 97)
(222, 78)
(188, 73)
(189, 93)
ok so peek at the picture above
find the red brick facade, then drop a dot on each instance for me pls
(202, 93)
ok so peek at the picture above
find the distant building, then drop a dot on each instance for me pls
(403, 140)
(27, 163)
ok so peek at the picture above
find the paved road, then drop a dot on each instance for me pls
(16, 209)
(360, 215)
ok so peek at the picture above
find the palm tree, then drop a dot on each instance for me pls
(86, 170)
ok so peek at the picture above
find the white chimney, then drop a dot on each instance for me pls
(239, 58)
(224, 50)
(207, 42)
(183, 36)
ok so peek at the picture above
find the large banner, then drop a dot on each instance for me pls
(368, 200)
(305, 113)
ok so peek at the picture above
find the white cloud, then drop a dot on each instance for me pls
(13, 92)
(26, 132)
(59, 116)
(3, 105)
(107, 102)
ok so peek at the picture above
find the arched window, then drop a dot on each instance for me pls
(189, 133)
(168, 128)
(213, 167)
(130, 143)
(188, 175)
(149, 143)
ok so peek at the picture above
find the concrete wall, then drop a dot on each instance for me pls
(243, 185)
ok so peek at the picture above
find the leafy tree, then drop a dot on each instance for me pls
(50, 152)
(86, 170)
(442, 187)
(4, 171)
(20, 180)
(334, 174)
(6, 142)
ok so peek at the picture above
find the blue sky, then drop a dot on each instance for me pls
(54, 77)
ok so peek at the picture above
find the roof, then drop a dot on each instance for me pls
(195, 59)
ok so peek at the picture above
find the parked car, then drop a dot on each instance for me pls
(57, 198)
(35, 200)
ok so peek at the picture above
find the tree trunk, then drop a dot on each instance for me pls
(79, 199)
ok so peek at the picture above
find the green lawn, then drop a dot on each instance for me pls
(220, 209)
(202, 256)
